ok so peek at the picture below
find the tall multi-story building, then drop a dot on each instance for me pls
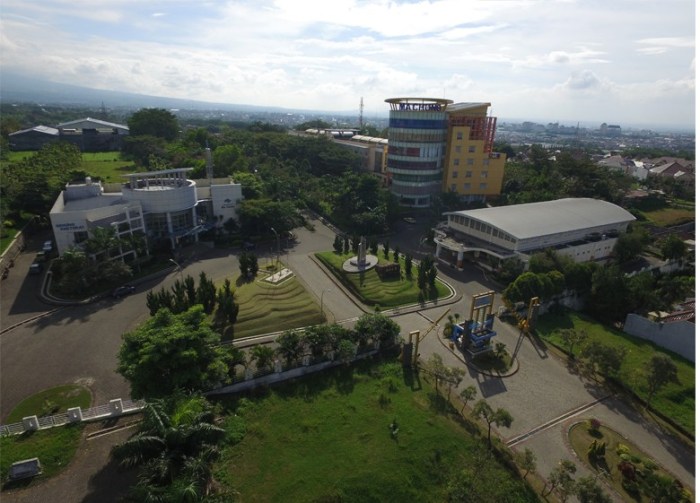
(472, 169)
(417, 136)
(436, 145)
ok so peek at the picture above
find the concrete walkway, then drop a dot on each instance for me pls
(546, 399)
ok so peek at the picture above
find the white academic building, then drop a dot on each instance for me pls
(582, 228)
(164, 206)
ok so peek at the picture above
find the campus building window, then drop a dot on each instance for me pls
(458, 149)
(454, 174)
(468, 174)
(470, 162)
(455, 162)
(460, 135)
(486, 162)
(484, 174)
(482, 186)
(467, 186)
(472, 149)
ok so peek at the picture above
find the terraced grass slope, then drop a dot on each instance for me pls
(266, 308)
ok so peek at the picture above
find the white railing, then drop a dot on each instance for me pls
(114, 408)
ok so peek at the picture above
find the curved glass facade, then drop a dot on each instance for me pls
(417, 138)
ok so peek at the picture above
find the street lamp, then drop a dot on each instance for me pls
(179, 268)
(278, 244)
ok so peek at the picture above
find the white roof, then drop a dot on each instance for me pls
(532, 220)
(91, 121)
(39, 129)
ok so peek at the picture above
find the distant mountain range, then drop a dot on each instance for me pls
(15, 88)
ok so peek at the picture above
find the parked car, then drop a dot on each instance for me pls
(123, 291)
(36, 268)
(248, 246)
(48, 246)
(409, 220)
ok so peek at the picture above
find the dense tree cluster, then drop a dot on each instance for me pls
(32, 185)
(543, 176)
(172, 352)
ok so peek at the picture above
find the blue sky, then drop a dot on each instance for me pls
(616, 61)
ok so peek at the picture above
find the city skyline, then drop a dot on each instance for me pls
(622, 62)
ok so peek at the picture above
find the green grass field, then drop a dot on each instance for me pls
(54, 447)
(663, 214)
(107, 166)
(676, 401)
(371, 289)
(265, 307)
(51, 401)
(326, 438)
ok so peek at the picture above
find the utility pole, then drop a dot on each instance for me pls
(278, 245)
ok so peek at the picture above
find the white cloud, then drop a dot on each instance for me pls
(325, 55)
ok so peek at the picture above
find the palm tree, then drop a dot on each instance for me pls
(263, 356)
(289, 346)
(176, 442)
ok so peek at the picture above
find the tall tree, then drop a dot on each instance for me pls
(673, 248)
(176, 445)
(172, 351)
(156, 122)
(560, 480)
(572, 338)
(289, 346)
(467, 395)
(606, 360)
(378, 327)
(660, 371)
(499, 417)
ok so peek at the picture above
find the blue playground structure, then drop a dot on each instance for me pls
(475, 334)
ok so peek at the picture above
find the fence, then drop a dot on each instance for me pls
(281, 372)
(115, 408)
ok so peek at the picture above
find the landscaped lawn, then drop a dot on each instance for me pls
(266, 308)
(372, 290)
(618, 448)
(51, 401)
(54, 447)
(676, 401)
(327, 438)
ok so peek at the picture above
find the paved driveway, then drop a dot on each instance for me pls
(543, 396)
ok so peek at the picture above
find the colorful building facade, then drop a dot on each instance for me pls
(436, 145)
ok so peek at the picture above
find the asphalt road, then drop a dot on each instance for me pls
(80, 344)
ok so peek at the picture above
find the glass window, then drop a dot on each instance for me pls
(458, 149)
(455, 162)
(454, 174)
(472, 149)
(454, 187)
(470, 162)
(485, 162)
(459, 135)
(467, 186)
(484, 174)
(482, 186)
(468, 174)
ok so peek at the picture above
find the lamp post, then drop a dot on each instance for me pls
(278, 244)
(179, 268)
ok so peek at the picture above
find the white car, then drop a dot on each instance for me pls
(48, 246)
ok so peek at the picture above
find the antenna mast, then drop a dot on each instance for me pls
(362, 109)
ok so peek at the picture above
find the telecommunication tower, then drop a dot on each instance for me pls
(362, 109)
